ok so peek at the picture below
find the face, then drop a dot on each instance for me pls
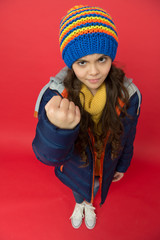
(92, 70)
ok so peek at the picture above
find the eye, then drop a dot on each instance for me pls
(102, 59)
(82, 63)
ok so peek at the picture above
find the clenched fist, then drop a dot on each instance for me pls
(62, 113)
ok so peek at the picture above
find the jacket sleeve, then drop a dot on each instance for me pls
(130, 132)
(52, 145)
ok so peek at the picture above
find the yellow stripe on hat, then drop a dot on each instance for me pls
(88, 30)
(84, 21)
(84, 10)
(84, 13)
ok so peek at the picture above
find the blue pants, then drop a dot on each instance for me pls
(79, 198)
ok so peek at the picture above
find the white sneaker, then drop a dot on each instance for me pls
(77, 216)
(90, 216)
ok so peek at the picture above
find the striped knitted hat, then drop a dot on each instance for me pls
(87, 30)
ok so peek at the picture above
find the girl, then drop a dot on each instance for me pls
(88, 113)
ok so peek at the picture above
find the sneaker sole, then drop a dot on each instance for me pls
(90, 227)
(76, 227)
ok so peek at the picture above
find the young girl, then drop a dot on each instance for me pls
(87, 113)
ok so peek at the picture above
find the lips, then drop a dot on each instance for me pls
(94, 80)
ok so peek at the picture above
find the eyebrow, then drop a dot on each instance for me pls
(81, 59)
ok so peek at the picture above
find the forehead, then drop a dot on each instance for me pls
(92, 57)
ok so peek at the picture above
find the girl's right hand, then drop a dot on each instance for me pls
(62, 113)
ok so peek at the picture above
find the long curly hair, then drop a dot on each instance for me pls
(110, 122)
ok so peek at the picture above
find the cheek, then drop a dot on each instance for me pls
(106, 70)
(80, 73)
(105, 73)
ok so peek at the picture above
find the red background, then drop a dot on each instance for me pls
(33, 203)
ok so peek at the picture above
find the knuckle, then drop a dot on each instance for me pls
(65, 101)
(70, 116)
(50, 111)
(62, 114)
(72, 104)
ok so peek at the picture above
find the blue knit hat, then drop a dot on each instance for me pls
(87, 30)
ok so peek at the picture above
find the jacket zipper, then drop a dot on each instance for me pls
(94, 159)
(94, 155)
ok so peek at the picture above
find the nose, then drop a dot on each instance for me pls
(93, 70)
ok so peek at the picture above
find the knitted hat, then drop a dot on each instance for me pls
(87, 30)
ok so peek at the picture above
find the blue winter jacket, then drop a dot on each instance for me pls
(55, 147)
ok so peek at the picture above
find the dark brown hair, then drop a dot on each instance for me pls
(110, 122)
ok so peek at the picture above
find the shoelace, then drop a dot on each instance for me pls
(89, 210)
(78, 211)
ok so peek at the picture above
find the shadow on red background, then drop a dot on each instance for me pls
(33, 203)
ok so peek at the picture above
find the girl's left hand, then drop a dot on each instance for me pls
(117, 176)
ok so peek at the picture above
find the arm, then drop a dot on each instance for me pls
(52, 144)
(130, 131)
(125, 159)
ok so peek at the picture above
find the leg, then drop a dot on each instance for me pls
(96, 187)
(77, 215)
(90, 216)
(79, 199)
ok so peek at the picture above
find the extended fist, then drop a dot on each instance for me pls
(62, 113)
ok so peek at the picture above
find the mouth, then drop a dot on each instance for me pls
(94, 80)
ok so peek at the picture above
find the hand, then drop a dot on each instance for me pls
(117, 176)
(62, 113)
